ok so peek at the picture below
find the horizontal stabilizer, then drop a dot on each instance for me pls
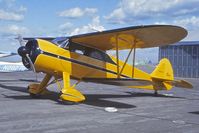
(119, 81)
(181, 83)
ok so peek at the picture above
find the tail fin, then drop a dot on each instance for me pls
(163, 71)
(163, 77)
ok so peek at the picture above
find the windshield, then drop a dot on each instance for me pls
(61, 41)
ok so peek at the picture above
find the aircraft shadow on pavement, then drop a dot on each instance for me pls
(102, 100)
(99, 100)
(195, 112)
(14, 88)
(142, 94)
(19, 80)
(91, 99)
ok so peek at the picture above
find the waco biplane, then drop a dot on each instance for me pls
(84, 58)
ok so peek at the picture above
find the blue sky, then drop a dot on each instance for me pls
(69, 17)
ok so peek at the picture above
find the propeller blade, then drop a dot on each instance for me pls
(21, 40)
(32, 67)
(31, 64)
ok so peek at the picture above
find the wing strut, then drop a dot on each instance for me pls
(117, 57)
(133, 48)
(127, 58)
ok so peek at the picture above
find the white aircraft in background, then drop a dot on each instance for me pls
(6, 54)
(10, 66)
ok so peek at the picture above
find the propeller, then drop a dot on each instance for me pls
(24, 51)
(21, 41)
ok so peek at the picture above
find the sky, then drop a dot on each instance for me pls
(34, 18)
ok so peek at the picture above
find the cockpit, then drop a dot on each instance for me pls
(61, 41)
(66, 43)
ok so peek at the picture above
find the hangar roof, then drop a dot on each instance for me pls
(182, 43)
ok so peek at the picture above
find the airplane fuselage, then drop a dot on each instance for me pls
(54, 59)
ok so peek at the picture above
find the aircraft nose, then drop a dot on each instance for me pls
(29, 53)
(22, 51)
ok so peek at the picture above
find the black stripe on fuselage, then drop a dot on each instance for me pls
(81, 63)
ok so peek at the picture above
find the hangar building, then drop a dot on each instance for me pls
(184, 57)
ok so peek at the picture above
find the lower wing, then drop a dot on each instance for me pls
(119, 81)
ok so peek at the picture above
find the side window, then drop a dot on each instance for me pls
(79, 51)
(73, 47)
(90, 52)
(108, 59)
(96, 55)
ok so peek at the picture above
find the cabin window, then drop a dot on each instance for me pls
(95, 54)
(88, 51)
(74, 47)
(65, 43)
(79, 51)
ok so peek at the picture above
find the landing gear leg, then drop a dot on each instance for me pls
(68, 92)
(36, 90)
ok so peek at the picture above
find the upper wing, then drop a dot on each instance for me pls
(43, 38)
(119, 81)
(143, 36)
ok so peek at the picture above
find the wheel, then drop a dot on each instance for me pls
(156, 93)
(64, 102)
(32, 95)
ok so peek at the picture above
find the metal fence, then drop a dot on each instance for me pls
(184, 58)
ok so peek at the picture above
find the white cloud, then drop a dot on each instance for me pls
(10, 11)
(117, 15)
(192, 21)
(144, 6)
(160, 23)
(10, 16)
(193, 35)
(93, 26)
(17, 30)
(8, 3)
(90, 10)
(77, 12)
(22, 9)
(132, 11)
(14, 30)
(65, 26)
(8, 35)
(71, 13)
(185, 11)
(192, 25)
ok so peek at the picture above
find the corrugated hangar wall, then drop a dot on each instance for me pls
(184, 57)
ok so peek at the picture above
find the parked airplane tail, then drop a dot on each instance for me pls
(163, 71)
(163, 77)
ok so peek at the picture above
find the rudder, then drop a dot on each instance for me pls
(163, 71)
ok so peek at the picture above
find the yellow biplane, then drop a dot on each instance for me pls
(84, 58)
